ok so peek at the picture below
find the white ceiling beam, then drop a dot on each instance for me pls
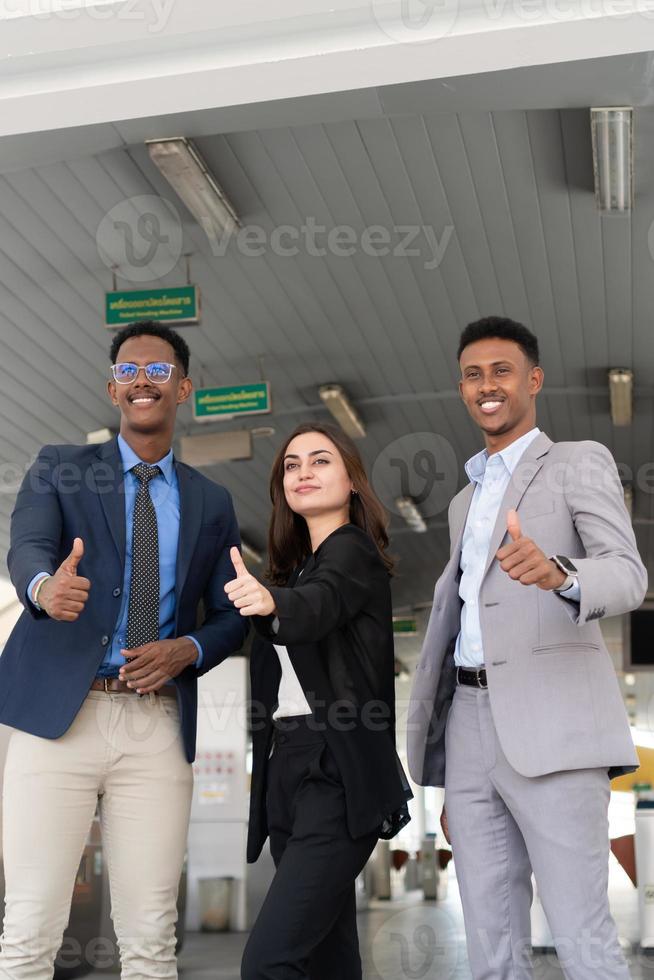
(107, 61)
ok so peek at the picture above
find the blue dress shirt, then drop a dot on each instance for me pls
(164, 492)
(491, 475)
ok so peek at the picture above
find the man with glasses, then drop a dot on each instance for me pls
(112, 550)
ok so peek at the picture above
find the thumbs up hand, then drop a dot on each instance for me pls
(64, 594)
(525, 562)
(246, 592)
(513, 525)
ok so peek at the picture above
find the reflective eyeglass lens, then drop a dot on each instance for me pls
(158, 372)
(123, 373)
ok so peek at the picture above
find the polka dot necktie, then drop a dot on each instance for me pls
(143, 611)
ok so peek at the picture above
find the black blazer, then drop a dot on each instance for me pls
(47, 667)
(337, 627)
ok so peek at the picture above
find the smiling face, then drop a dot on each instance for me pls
(147, 408)
(316, 481)
(499, 386)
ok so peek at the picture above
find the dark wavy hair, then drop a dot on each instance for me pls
(289, 542)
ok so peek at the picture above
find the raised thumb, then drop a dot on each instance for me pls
(77, 553)
(237, 562)
(513, 525)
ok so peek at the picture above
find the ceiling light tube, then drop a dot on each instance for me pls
(611, 133)
(99, 436)
(338, 403)
(407, 508)
(250, 554)
(181, 163)
(628, 491)
(621, 393)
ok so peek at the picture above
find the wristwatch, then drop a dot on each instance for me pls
(568, 569)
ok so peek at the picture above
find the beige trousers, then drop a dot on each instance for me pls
(125, 753)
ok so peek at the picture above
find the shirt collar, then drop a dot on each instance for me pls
(130, 459)
(510, 456)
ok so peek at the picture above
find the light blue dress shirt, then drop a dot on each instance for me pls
(491, 475)
(164, 492)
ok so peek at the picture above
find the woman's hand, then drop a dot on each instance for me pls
(246, 592)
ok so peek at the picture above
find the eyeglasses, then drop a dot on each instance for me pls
(158, 372)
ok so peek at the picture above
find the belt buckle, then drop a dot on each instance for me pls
(106, 689)
(479, 683)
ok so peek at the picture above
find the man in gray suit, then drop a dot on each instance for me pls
(516, 708)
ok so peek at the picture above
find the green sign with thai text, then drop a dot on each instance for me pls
(177, 304)
(231, 400)
(406, 625)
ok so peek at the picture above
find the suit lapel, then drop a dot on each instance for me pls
(190, 521)
(527, 468)
(110, 488)
(462, 510)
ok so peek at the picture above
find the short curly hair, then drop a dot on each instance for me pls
(150, 328)
(505, 329)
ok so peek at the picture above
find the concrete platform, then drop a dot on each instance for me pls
(407, 938)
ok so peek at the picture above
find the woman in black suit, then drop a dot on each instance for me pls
(322, 671)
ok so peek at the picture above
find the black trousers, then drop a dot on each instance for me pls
(307, 925)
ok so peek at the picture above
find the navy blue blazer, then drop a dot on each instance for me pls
(47, 667)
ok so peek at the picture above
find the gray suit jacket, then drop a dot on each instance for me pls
(554, 695)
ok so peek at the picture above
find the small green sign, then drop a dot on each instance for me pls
(407, 626)
(178, 304)
(225, 403)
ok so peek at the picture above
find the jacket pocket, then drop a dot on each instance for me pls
(537, 506)
(565, 647)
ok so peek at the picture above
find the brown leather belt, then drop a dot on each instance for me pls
(113, 685)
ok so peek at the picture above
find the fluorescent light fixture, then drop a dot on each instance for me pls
(217, 447)
(338, 403)
(621, 392)
(611, 130)
(180, 162)
(250, 554)
(407, 508)
(628, 491)
(99, 435)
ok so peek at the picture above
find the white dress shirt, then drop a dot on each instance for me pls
(290, 697)
(491, 474)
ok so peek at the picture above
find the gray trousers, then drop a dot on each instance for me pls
(503, 825)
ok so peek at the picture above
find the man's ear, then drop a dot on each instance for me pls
(111, 391)
(537, 379)
(184, 390)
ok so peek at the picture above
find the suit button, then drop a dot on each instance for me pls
(116, 592)
(105, 640)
